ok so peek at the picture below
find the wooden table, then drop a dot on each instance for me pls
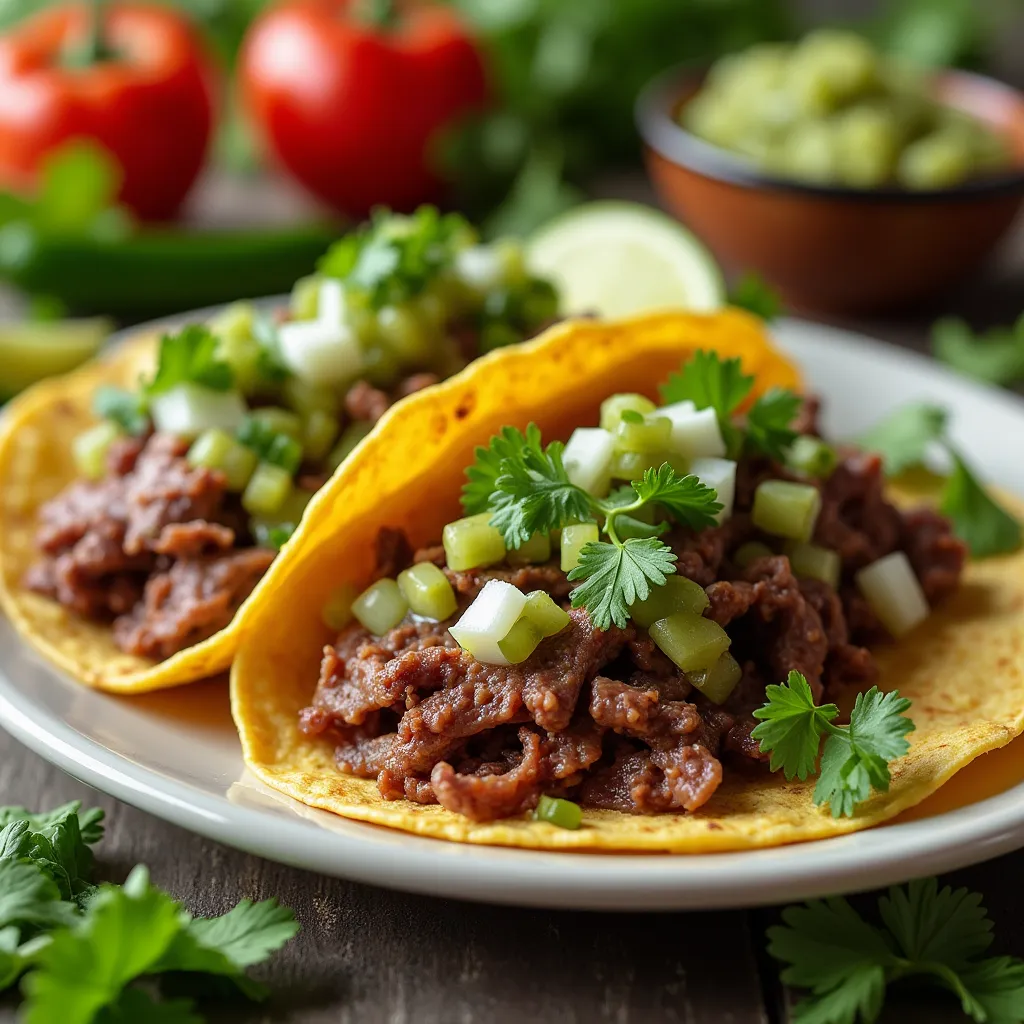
(369, 955)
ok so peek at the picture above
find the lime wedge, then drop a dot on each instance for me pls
(31, 351)
(616, 259)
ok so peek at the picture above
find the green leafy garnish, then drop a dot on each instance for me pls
(394, 257)
(768, 423)
(526, 488)
(904, 440)
(752, 293)
(190, 357)
(935, 935)
(128, 409)
(270, 365)
(855, 758)
(995, 356)
(82, 947)
(273, 536)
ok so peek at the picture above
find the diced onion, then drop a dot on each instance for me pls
(894, 593)
(321, 352)
(330, 302)
(480, 267)
(695, 432)
(719, 474)
(189, 409)
(588, 459)
(487, 620)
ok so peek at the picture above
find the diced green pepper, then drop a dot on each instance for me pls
(284, 451)
(814, 562)
(350, 437)
(632, 465)
(751, 552)
(645, 434)
(718, 681)
(89, 449)
(786, 509)
(559, 812)
(812, 457)
(690, 640)
(520, 641)
(305, 298)
(217, 449)
(380, 607)
(545, 614)
(574, 539)
(427, 591)
(280, 421)
(472, 542)
(536, 549)
(405, 334)
(319, 431)
(267, 490)
(303, 397)
(614, 406)
(677, 594)
(337, 610)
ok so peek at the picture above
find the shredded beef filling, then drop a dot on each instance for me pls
(603, 717)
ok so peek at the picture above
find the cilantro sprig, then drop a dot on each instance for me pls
(526, 488)
(905, 438)
(937, 936)
(752, 293)
(995, 356)
(720, 384)
(855, 758)
(83, 948)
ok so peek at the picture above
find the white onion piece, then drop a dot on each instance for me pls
(588, 459)
(320, 352)
(330, 302)
(479, 267)
(488, 620)
(695, 433)
(189, 409)
(721, 475)
(894, 593)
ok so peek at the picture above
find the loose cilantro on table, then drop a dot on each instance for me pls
(934, 935)
(526, 488)
(855, 758)
(995, 356)
(82, 948)
(904, 440)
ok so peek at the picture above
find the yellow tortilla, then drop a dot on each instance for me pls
(36, 432)
(964, 670)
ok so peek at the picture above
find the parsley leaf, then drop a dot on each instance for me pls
(904, 437)
(709, 382)
(769, 423)
(752, 293)
(29, 897)
(685, 497)
(128, 409)
(997, 356)
(929, 933)
(855, 758)
(617, 575)
(482, 476)
(985, 526)
(190, 357)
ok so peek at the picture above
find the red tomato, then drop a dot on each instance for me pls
(351, 107)
(147, 101)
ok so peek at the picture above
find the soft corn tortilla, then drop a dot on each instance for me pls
(963, 670)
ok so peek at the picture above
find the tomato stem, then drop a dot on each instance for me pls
(94, 47)
(379, 13)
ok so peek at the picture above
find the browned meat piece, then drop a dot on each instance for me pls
(366, 403)
(936, 555)
(417, 382)
(548, 577)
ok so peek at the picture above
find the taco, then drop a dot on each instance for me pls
(145, 496)
(585, 639)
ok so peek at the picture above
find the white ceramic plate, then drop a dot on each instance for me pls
(175, 754)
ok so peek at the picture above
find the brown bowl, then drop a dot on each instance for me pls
(835, 249)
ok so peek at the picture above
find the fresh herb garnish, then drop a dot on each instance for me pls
(995, 356)
(190, 357)
(855, 758)
(527, 489)
(83, 947)
(904, 440)
(395, 257)
(720, 384)
(752, 293)
(270, 365)
(128, 409)
(935, 935)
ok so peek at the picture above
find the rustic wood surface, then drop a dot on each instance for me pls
(368, 955)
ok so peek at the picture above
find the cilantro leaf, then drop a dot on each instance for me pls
(482, 476)
(769, 423)
(984, 525)
(752, 293)
(791, 726)
(533, 493)
(190, 357)
(933, 934)
(996, 356)
(29, 897)
(709, 382)
(685, 497)
(904, 437)
(270, 365)
(128, 409)
(615, 576)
